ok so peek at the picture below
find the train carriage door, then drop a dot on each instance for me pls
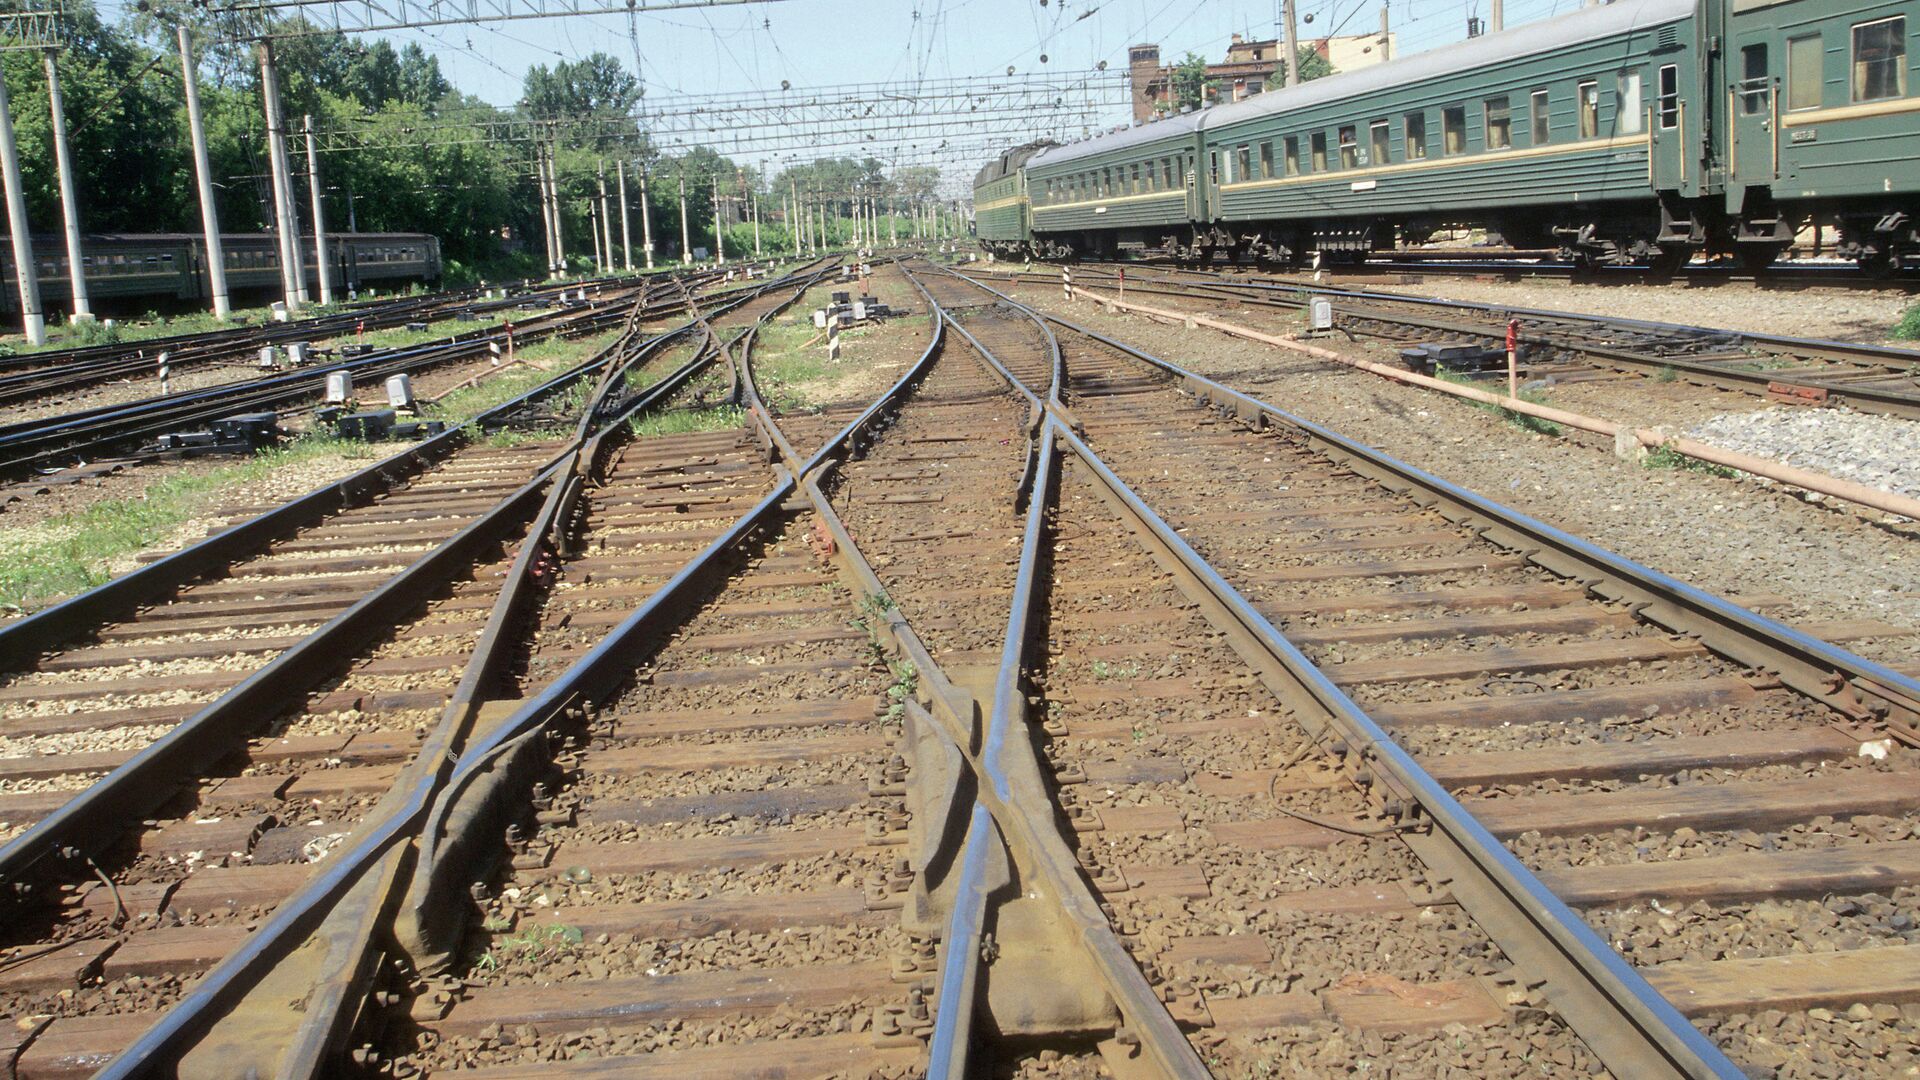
(1754, 106)
(1193, 190)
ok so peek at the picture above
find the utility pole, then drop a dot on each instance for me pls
(69, 211)
(203, 177)
(1497, 18)
(319, 218)
(893, 225)
(1386, 36)
(794, 225)
(546, 210)
(626, 236)
(32, 320)
(606, 219)
(756, 225)
(1290, 29)
(686, 240)
(593, 230)
(293, 276)
(646, 218)
(719, 238)
(553, 207)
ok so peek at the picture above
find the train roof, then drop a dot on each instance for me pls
(1586, 24)
(1574, 28)
(1010, 161)
(1152, 131)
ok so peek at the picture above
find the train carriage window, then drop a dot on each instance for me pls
(1243, 163)
(1382, 139)
(1670, 97)
(1266, 160)
(1213, 167)
(1499, 117)
(1756, 81)
(1166, 169)
(1542, 118)
(1292, 155)
(1880, 60)
(1319, 151)
(1589, 110)
(1349, 147)
(1137, 186)
(1453, 129)
(1626, 103)
(1415, 124)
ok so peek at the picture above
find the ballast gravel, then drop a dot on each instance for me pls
(1879, 451)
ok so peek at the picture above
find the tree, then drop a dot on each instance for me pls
(1312, 66)
(573, 90)
(1191, 87)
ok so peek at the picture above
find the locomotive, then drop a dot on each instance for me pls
(1636, 131)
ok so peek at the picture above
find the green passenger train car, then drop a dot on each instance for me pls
(1641, 130)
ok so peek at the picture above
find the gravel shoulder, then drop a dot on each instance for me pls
(1728, 537)
(1850, 315)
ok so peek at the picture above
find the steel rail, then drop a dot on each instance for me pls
(1835, 386)
(1017, 809)
(408, 807)
(141, 783)
(1635, 1030)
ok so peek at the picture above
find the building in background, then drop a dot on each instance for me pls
(1244, 73)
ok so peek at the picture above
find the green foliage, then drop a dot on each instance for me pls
(1666, 457)
(1520, 420)
(1908, 327)
(1190, 85)
(76, 551)
(688, 421)
(1312, 66)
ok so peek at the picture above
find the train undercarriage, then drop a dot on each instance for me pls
(1663, 235)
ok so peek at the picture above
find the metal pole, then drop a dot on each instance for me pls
(626, 234)
(719, 241)
(559, 222)
(319, 217)
(203, 176)
(1291, 28)
(686, 237)
(1386, 37)
(292, 272)
(69, 211)
(646, 219)
(546, 209)
(606, 219)
(25, 271)
(1497, 19)
(755, 205)
(893, 225)
(593, 230)
(793, 217)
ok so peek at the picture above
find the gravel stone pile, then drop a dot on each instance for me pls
(1880, 451)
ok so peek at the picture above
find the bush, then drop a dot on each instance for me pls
(1908, 327)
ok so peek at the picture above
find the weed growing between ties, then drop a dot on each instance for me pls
(72, 552)
(532, 943)
(689, 421)
(1666, 457)
(1908, 327)
(1519, 420)
(906, 682)
(539, 363)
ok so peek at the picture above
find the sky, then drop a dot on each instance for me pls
(808, 43)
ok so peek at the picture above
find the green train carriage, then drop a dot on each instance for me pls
(1643, 130)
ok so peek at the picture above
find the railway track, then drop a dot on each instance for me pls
(1654, 771)
(1061, 711)
(53, 442)
(1868, 378)
(361, 618)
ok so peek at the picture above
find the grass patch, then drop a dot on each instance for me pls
(1908, 327)
(73, 552)
(688, 421)
(1517, 419)
(1103, 670)
(1666, 457)
(553, 354)
(146, 327)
